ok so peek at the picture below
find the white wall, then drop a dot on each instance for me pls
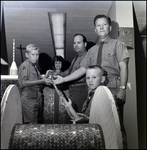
(121, 12)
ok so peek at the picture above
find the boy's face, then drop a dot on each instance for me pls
(94, 78)
(102, 28)
(33, 56)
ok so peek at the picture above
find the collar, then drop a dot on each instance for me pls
(107, 39)
(31, 62)
(81, 53)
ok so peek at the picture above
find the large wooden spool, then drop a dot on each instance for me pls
(103, 130)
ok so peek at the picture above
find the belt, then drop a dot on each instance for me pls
(78, 84)
(26, 89)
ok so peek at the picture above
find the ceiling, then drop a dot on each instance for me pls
(27, 22)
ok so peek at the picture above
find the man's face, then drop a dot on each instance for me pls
(93, 78)
(78, 44)
(102, 28)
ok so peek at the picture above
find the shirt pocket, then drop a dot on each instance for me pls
(111, 58)
(32, 93)
(92, 60)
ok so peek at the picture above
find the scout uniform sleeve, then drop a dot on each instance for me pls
(22, 73)
(90, 57)
(122, 51)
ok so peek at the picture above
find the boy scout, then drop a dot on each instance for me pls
(29, 79)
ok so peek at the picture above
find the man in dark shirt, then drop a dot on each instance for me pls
(78, 89)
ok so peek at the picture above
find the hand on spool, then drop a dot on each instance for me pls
(82, 119)
(65, 102)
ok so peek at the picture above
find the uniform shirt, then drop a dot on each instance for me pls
(27, 70)
(75, 64)
(30, 96)
(113, 52)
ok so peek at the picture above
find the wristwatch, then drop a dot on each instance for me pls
(122, 87)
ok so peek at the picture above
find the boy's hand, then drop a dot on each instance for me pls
(47, 81)
(65, 102)
(83, 119)
(48, 73)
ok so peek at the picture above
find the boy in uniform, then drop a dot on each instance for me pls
(99, 107)
(95, 77)
(29, 80)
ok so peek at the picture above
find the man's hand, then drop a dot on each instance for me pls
(121, 96)
(58, 80)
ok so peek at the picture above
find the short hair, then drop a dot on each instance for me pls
(99, 67)
(58, 58)
(102, 16)
(31, 47)
(84, 38)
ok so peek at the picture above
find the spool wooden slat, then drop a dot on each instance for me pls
(104, 112)
(11, 113)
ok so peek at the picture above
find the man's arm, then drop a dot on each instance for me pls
(65, 73)
(75, 75)
(123, 78)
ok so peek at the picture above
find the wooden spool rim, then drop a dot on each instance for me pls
(3, 102)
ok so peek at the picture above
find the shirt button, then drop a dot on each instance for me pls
(111, 82)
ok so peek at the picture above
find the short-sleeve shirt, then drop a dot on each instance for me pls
(27, 70)
(113, 52)
(77, 61)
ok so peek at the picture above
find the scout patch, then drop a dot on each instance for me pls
(126, 51)
(24, 67)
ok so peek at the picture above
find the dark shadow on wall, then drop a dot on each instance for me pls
(44, 63)
(89, 45)
(4, 68)
(141, 85)
(115, 30)
(66, 65)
